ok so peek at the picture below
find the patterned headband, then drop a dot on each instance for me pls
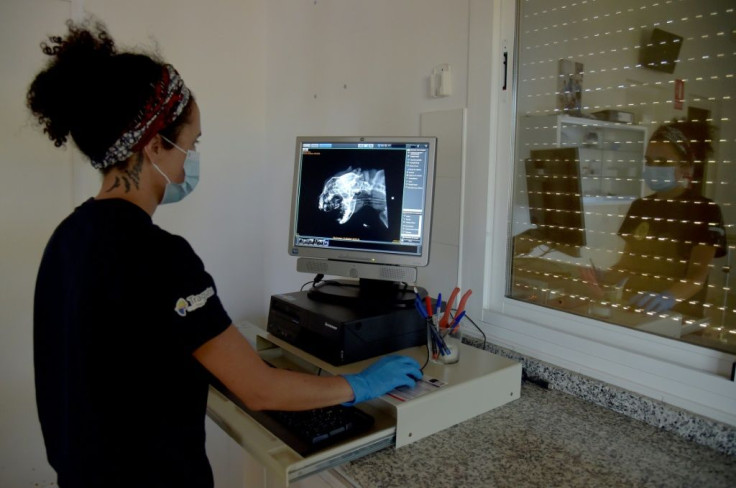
(164, 107)
(675, 136)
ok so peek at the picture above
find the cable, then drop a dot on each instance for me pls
(479, 329)
(305, 284)
(426, 360)
(467, 316)
(317, 282)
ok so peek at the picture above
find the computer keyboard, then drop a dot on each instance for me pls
(307, 431)
(322, 427)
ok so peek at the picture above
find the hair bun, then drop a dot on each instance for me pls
(92, 92)
(74, 69)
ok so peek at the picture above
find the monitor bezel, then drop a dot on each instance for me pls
(378, 257)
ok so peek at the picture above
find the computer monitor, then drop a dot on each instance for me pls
(556, 199)
(362, 209)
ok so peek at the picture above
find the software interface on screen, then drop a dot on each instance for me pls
(362, 196)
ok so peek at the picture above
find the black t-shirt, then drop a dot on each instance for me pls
(660, 235)
(120, 306)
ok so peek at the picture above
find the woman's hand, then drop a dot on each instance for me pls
(653, 302)
(592, 279)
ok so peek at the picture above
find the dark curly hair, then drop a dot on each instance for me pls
(698, 136)
(91, 91)
(693, 141)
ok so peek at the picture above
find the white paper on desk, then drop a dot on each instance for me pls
(422, 387)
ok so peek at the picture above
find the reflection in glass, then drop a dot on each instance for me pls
(648, 156)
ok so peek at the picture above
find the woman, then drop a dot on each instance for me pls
(127, 323)
(672, 235)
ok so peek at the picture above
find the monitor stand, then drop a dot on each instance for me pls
(364, 292)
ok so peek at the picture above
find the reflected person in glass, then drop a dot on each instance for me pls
(672, 235)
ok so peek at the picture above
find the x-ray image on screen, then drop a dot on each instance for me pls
(349, 191)
(351, 194)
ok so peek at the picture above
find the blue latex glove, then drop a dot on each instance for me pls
(383, 376)
(653, 302)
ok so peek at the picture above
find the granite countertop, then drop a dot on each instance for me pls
(547, 438)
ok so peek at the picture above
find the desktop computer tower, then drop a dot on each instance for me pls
(340, 334)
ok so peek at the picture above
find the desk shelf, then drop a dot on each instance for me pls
(480, 382)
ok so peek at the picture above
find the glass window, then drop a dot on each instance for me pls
(623, 194)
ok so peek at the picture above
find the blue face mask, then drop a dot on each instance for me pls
(174, 192)
(660, 178)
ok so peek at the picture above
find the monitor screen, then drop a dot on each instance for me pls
(363, 204)
(555, 198)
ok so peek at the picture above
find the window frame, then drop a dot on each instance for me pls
(681, 374)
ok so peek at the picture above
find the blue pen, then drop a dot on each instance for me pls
(457, 320)
(420, 307)
(439, 342)
(439, 304)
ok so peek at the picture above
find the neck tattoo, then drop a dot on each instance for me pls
(130, 175)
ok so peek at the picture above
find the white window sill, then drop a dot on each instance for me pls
(687, 376)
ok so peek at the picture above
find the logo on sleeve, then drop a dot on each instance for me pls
(642, 230)
(193, 302)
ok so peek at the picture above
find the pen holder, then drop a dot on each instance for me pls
(603, 307)
(448, 352)
(453, 339)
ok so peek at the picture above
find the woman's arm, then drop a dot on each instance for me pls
(693, 281)
(698, 268)
(230, 357)
(233, 361)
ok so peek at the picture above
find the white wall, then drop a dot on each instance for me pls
(35, 193)
(218, 47)
(338, 67)
(264, 71)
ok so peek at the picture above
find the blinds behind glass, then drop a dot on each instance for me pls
(595, 80)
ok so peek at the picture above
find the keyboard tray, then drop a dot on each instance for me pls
(277, 422)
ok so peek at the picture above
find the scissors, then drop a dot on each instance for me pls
(445, 320)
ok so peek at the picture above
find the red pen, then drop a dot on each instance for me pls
(428, 302)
